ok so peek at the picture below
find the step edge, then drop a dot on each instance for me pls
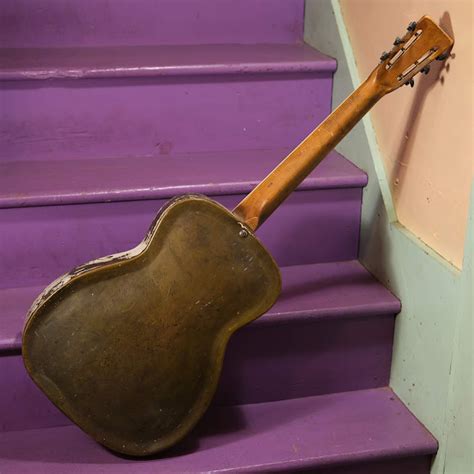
(333, 461)
(318, 64)
(355, 178)
(209, 189)
(179, 71)
(368, 310)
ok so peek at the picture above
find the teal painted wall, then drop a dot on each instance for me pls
(459, 442)
(432, 368)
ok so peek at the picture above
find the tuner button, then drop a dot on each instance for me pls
(411, 83)
(442, 57)
(398, 41)
(384, 56)
(412, 26)
(425, 70)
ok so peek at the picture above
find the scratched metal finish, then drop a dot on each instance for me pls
(131, 348)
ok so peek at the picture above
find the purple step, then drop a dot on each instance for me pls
(82, 181)
(330, 331)
(367, 431)
(164, 100)
(46, 240)
(28, 23)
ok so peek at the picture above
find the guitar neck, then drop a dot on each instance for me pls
(259, 204)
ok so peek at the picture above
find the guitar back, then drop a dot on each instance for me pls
(130, 347)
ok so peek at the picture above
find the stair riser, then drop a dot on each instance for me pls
(43, 243)
(28, 23)
(264, 362)
(95, 118)
(297, 359)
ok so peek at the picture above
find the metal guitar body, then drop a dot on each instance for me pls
(130, 347)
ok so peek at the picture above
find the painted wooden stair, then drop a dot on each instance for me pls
(105, 116)
(336, 433)
(331, 331)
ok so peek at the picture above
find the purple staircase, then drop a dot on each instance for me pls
(110, 110)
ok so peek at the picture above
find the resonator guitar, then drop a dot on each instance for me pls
(130, 346)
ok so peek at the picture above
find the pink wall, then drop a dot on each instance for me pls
(425, 134)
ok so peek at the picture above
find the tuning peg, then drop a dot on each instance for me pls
(411, 27)
(411, 82)
(442, 57)
(384, 56)
(426, 69)
(398, 41)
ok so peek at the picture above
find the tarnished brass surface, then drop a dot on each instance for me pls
(131, 348)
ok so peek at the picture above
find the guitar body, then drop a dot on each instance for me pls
(130, 347)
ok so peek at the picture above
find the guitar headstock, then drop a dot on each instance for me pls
(412, 53)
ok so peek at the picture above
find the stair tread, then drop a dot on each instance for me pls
(54, 182)
(160, 60)
(322, 290)
(313, 432)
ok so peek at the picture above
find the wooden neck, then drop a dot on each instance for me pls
(257, 206)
